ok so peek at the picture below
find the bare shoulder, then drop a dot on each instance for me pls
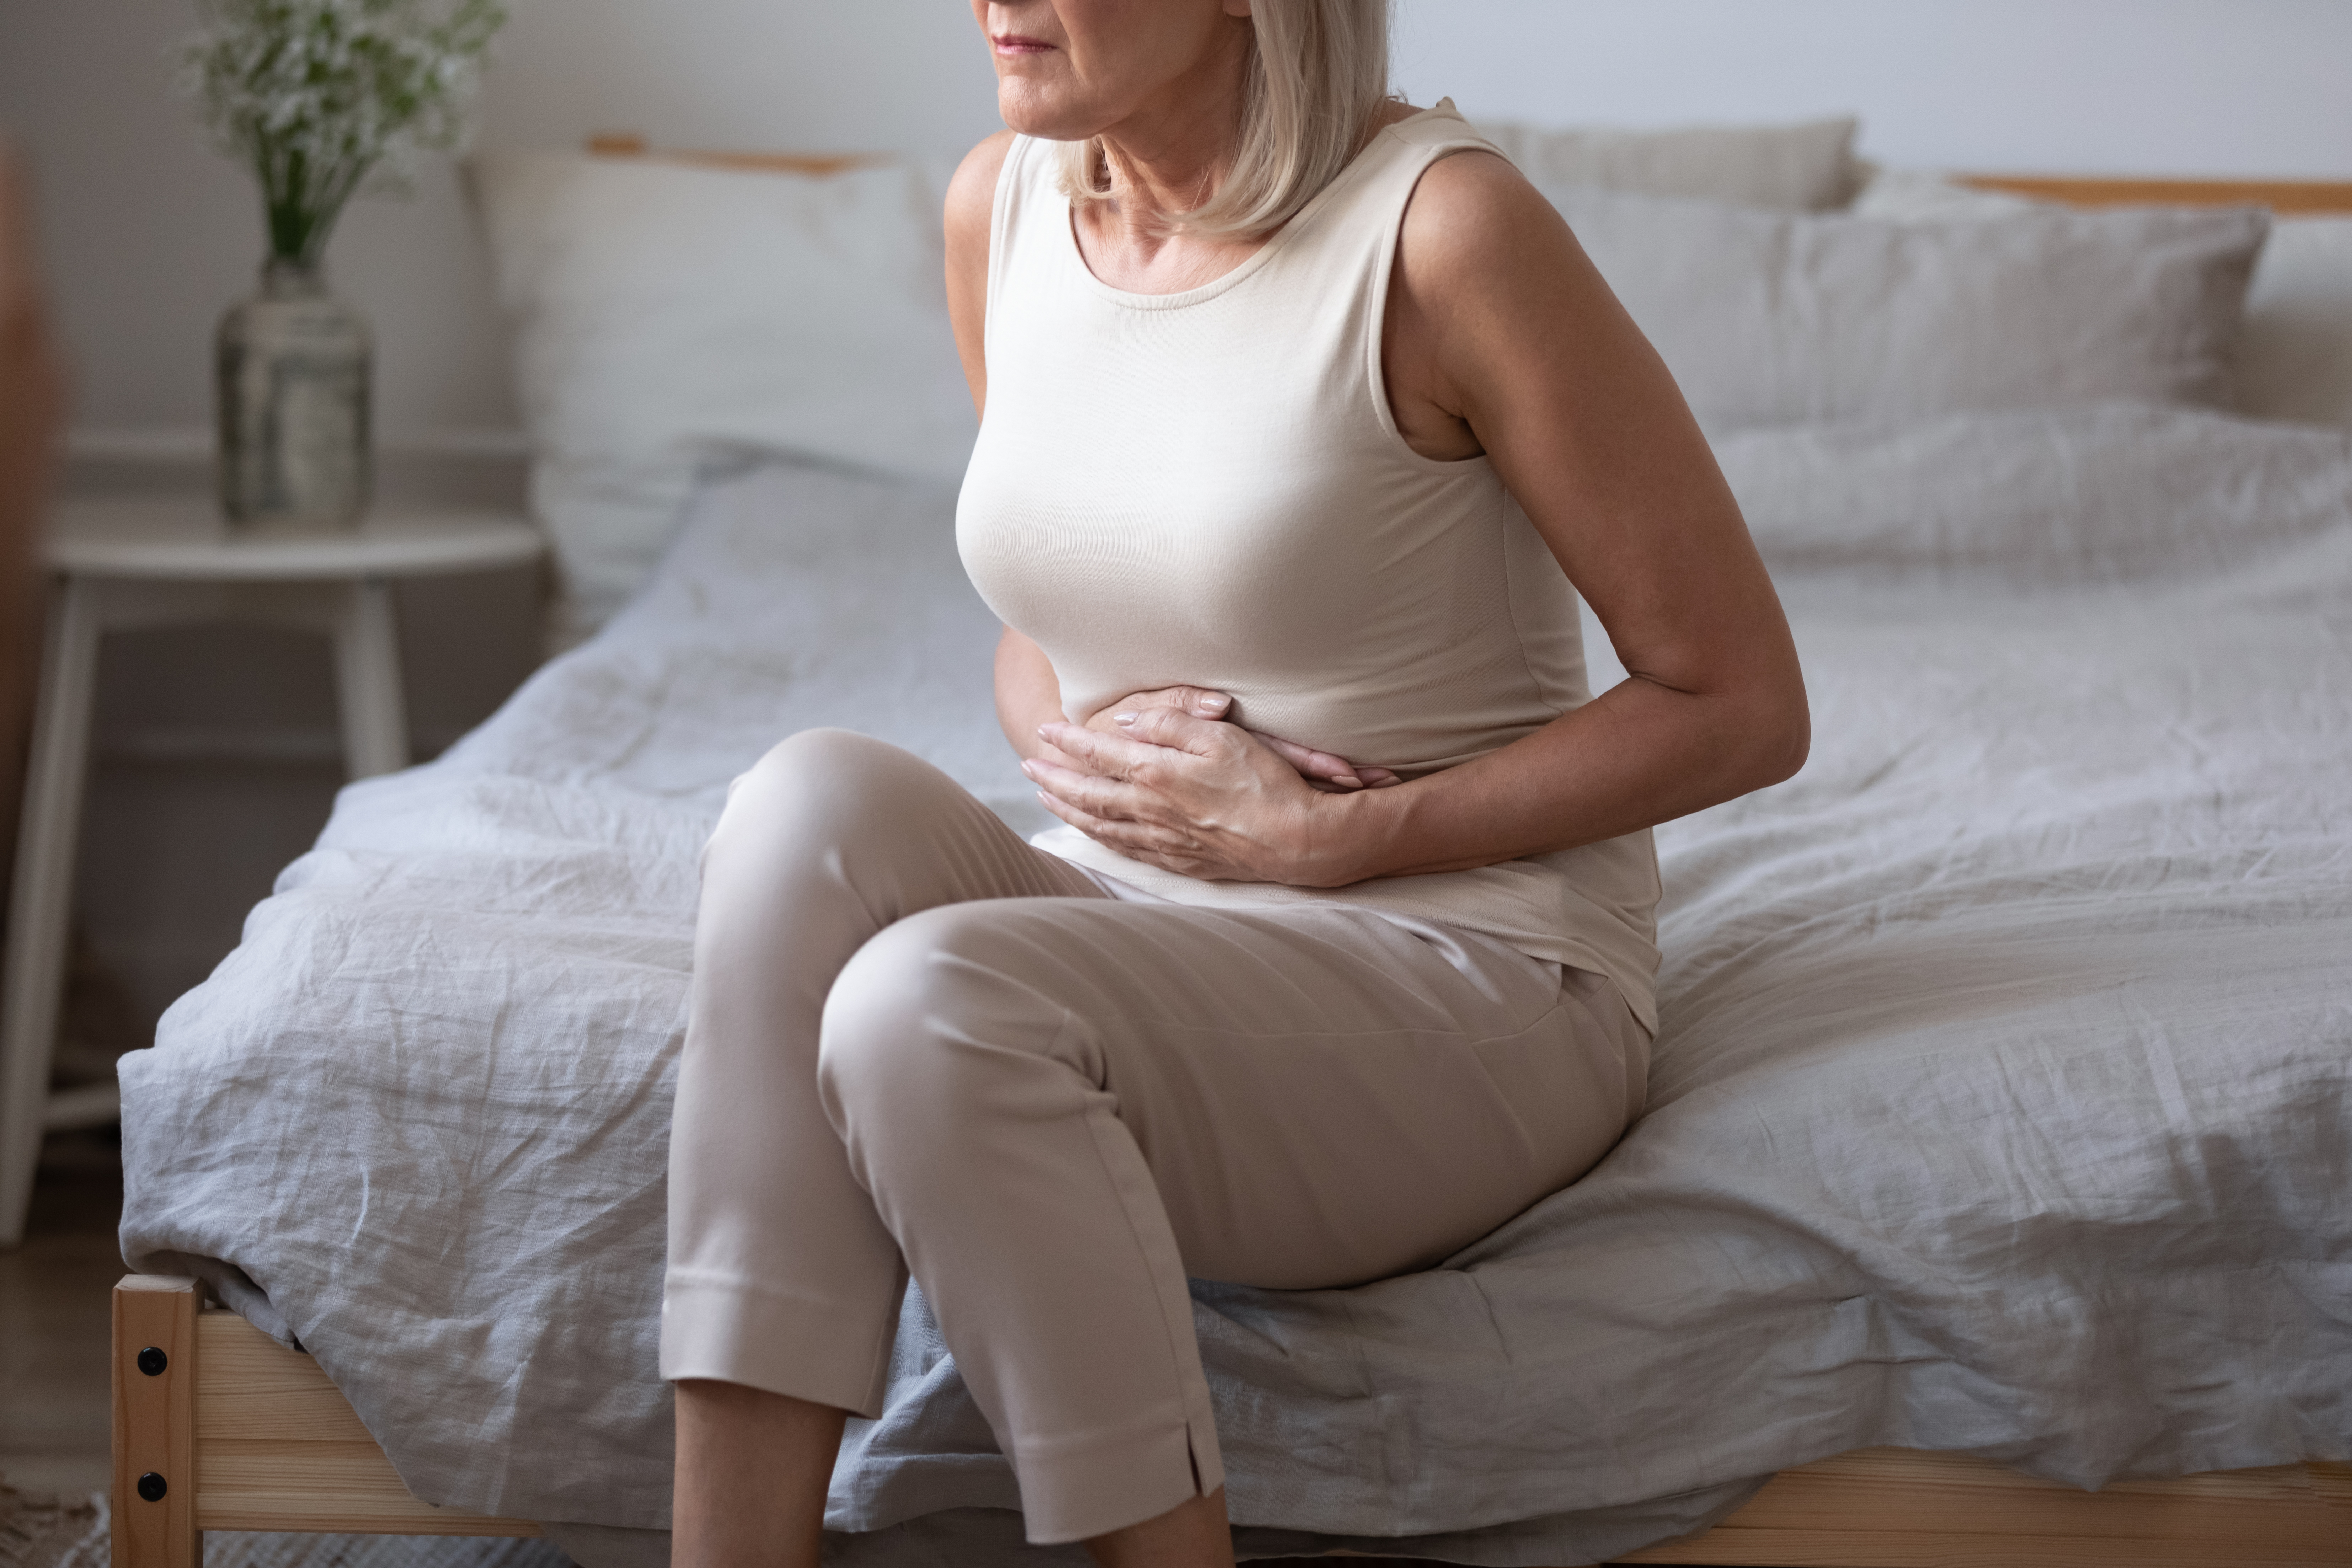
(1474, 218)
(1496, 316)
(971, 195)
(970, 204)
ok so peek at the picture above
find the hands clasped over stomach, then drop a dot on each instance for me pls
(1162, 777)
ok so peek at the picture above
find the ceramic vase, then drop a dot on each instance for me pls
(293, 365)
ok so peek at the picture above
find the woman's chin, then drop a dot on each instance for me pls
(1043, 114)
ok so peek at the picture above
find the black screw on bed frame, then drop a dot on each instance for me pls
(153, 1487)
(152, 1362)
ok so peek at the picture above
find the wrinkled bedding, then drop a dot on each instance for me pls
(2003, 1102)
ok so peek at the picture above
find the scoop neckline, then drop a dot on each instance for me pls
(1256, 259)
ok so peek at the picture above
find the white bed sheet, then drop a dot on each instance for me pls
(2002, 1104)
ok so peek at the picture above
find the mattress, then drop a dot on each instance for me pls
(2002, 1103)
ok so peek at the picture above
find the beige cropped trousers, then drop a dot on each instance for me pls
(918, 1043)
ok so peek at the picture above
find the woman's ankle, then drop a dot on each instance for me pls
(1193, 1534)
(753, 1471)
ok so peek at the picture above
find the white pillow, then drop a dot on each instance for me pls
(668, 318)
(1800, 167)
(2295, 360)
(1775, 319)
(1910, 195)
(2294, 355)
(2038, 497)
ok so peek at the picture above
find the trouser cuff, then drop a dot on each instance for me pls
(1092, 1485)
(828, 1353)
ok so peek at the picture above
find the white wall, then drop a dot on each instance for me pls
(150, 235)
(2155, 87)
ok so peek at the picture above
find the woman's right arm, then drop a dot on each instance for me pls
(1027, 693)
(971, 206)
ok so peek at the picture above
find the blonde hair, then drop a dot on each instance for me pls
(1317, 71)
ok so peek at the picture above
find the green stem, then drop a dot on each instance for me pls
(301, 202)
(333, 198)
(283, 206)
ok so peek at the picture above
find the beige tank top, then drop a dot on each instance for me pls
(1209, 487)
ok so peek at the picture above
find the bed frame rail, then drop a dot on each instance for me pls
(217, 1426)
(1894, 1507)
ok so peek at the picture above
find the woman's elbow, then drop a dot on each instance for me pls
(1782, 735)
(1761, 732)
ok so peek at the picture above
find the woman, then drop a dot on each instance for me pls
(1301, 413)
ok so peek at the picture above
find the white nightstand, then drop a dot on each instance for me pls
(120, 565)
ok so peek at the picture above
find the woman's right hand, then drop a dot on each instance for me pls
(1321, 770)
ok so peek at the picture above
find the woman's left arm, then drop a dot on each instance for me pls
(1502, 337)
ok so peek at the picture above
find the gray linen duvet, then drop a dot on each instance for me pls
(2003, 1102)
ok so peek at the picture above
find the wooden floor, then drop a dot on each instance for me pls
(55, 1399)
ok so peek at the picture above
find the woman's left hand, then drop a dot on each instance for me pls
(1197, 796)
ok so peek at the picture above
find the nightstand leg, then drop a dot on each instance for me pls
(41, 901)
(367, 677)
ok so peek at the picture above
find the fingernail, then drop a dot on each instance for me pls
(1349, 780)
(1213, 703)
(1122, 718)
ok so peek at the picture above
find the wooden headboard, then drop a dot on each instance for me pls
(622, 145)
(2301, 197)
(2295, 198)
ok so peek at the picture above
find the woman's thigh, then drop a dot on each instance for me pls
(1322, 1096)
(835, 816)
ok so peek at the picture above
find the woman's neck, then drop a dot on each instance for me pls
(1165, 159)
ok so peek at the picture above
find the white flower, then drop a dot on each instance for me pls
(317, 95)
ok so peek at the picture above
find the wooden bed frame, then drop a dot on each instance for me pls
(242, 1434)
(218, 1427)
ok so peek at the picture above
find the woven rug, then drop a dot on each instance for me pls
(38, 1531)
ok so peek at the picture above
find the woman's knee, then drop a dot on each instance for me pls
(925, 1024)
(823, 775)
(817, 789)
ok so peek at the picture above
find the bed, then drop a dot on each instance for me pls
(1998, 1141)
